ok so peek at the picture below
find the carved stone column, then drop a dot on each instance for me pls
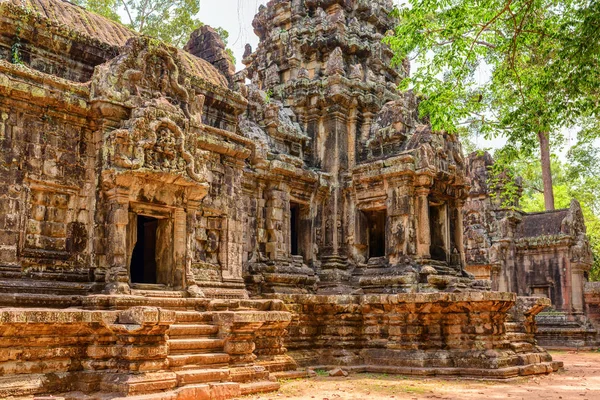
(398, 209)
(459, 232)
(190, 280)
(180, 247)
(277, 243)
(117, 276)
(423, 227)
(352, 127)
(577, 283)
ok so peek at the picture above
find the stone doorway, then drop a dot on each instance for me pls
(438, 227)
(294, 220)
(376, 221)
(143, 259)
(150, 246)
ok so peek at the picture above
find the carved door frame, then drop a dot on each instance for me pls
(170, 255)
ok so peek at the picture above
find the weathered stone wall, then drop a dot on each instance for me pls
(592, 301)
(206, 43)
(48, 189)
(532, 254)
(458, 334)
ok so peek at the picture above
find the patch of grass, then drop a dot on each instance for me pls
(321, 372)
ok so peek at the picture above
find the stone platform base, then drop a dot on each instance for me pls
(216, 349)
(477, 334)
(474, 373)
(562, 331)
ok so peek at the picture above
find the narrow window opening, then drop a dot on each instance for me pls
(143, 259)
(294, 220)
(437, 225)
(376, 230)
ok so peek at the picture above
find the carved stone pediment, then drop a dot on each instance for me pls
(166, 114)
(142, 71)
(156, 138)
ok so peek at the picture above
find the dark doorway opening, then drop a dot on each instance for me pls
(294, 220)
(376, 230)
(437, 226)
(143, 259)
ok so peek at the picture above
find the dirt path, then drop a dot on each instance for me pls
(580, 380)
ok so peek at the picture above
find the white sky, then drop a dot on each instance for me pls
(235, 16)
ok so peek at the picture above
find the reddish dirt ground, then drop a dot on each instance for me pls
(580, 380)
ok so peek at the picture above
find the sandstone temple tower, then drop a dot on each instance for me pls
(365, 194)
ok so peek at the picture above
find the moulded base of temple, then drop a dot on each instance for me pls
(477, 334)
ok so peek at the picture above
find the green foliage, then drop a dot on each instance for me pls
(107, 8)
(268, 96)
(171, 21)
(15, 49)
(502, 67)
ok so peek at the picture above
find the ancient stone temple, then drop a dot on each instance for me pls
(172, 229)
(543, 254)
(359, 189)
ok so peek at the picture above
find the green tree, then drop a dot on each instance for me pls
(171, 21)
(107, 8)
(503, 68)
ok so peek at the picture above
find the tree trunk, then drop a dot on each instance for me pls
(544, 140)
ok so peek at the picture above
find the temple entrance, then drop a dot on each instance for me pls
(376, 231)
(143, 267)
(294, 218)
(438, 228)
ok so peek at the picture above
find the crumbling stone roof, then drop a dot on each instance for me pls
(78, 19)
(542, 224)
(95, 28)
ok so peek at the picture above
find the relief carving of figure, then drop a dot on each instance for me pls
(211, 247)
(399, 235)
(335, 63)
(272, 76)
(357, 72)
(164, 155)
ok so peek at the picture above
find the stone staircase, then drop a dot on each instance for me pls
(195, 352)
(196, 355)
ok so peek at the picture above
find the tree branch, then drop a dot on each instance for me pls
(127, 11)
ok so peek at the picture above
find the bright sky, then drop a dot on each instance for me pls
(235, 16)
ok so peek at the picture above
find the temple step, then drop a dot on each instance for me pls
(198, 360)
(189, 377)
(170, 294)
(33, 286)
(195, 345)
(259, 387)
(186, 317)
(192, 330)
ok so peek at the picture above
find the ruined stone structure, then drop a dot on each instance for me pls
(543, 254)
(168, 229)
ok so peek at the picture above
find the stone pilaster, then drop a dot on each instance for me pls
(577, 284)
(423, 227)
(399, 200)
(117, 276)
